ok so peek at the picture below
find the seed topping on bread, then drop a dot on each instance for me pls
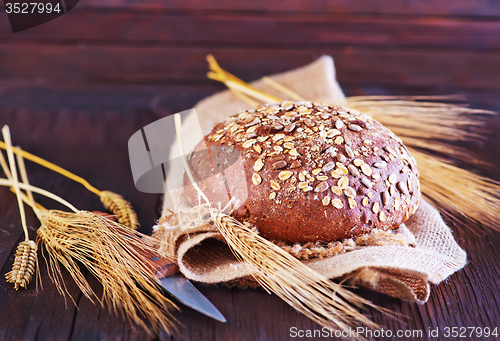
(330, 151)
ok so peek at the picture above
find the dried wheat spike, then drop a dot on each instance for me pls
(121, 208)
(24, 265)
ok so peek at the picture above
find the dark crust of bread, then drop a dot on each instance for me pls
(307, 172)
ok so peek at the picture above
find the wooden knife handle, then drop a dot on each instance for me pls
(165, 267)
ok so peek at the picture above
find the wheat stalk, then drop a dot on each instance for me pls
(25, 259)
(113, 202)
(118, 257)
(236, 84)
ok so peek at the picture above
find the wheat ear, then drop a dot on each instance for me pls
(120, 208)
(24, 265)
(315, 296)
(424, 123)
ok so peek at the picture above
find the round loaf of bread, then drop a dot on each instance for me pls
(307, 172)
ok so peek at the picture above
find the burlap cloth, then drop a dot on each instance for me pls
(404, 272)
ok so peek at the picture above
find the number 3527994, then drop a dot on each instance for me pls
(32, 7)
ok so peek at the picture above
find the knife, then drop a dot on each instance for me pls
(168, 275)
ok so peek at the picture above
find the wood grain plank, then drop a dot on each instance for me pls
(448, 70)
(95, 140)
(414, 7)
(261, 30)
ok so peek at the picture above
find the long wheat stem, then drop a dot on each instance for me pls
(25, 259)
(15, 182)
(24, 176)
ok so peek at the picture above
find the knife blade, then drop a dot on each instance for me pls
(167, 272)
(184, 291)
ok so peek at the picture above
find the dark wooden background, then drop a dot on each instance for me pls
(75, 89)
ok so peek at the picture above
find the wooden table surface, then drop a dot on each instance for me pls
(75, 89)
